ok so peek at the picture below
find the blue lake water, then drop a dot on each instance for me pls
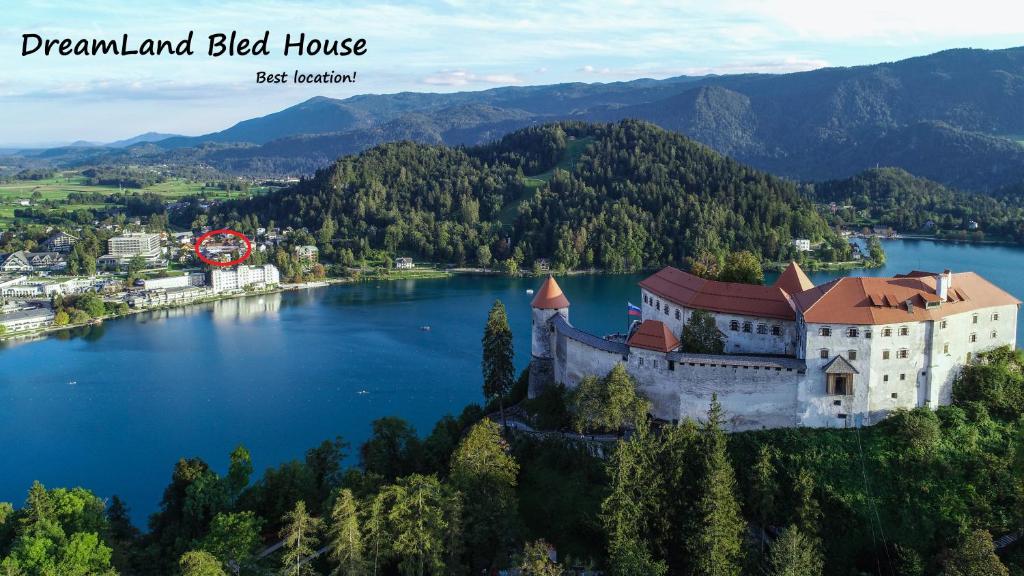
(112, 408)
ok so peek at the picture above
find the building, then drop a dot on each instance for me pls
(165, 283)
(133, 244)
(307, 254)
(22, 261)
(59, 242)
(845, 353)
(242, 277)
(166, 296)
(404, 263)
(802, 244)
(23, 320)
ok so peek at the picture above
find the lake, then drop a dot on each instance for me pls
(113, 407)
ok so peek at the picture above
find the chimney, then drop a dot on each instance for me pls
(943, 282)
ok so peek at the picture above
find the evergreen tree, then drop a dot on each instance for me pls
(701, 335)
(485, 474)
(763, 487)
(345, 537)
(498, 368)
(716, 544)
(300, 541)
(794, 554)
(608, 403)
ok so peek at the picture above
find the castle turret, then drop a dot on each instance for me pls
(549, 301)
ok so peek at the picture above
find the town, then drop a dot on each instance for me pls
(139, 270)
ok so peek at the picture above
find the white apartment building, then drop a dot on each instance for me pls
(242, 277)
(134, 244)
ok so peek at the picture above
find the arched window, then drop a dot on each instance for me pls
(734, 325)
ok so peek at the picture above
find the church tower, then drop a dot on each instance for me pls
(549, 301)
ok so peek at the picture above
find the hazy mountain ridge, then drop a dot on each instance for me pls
(944, 116)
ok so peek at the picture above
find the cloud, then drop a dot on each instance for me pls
(466, 78)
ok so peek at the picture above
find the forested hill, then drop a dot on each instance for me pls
(619, 197)
(893, 197)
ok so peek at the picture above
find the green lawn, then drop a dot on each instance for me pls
(573, 150)
(59, 187)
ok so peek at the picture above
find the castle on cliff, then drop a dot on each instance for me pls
(844, 353)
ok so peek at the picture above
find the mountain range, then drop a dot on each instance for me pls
(955, 117)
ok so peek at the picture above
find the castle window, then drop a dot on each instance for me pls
(825, 331)
(903, 377)
(942, 325)
(887, 332)
(994, 334)
(945, 348)
(640, 361)
(671, 364)
(762, 328)
(902, 353)
(852, 332)
(748, 326)
(839, 384)
(995, 316)
(974, 319)
(885, 378)
(904, 330)
(894, 395)
(776, 330)
(655, 364)
(734, 325)
(974, 338)
(678, 315)
(824, 353)
(657, 305)
(885, 354)
(666, 309)
(867, 332)
(851, 354)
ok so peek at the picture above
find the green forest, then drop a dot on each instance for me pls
(895, 198)
(923, 492)
(618, 197)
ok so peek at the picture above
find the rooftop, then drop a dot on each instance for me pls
(550, 296)
(654, 335)
(729, 297)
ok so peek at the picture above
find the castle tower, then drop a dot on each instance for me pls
(549, 301)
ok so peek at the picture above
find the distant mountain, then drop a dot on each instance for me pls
(952, 117)
(141, 139)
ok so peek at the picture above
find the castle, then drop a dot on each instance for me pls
(844, 353)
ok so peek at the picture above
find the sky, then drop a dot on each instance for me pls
(441, 46)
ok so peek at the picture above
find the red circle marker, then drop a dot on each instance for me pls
(201, 239)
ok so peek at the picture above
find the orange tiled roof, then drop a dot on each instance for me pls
(732, 298)
(793, 279)
(884, 300)
(654, 335)
(550, 296)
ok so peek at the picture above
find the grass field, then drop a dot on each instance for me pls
(573, 150)
(59, 187)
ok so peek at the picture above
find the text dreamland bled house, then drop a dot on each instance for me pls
(844, 353)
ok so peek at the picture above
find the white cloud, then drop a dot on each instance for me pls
(465, 78)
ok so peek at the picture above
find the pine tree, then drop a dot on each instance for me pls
(485, 474)
(701, 334)
(794, 554)
(498, 369)
(300, 540)
(717, 541)
(345, 537)
(763, 487)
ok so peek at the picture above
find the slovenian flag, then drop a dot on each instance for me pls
(632, 310)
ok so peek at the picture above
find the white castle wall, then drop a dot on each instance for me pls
(781, 392)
